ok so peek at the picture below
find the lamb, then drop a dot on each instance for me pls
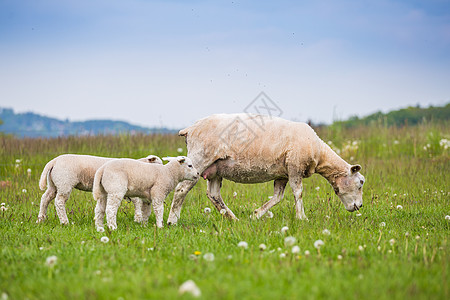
(130, 178)
(68, 171)
(250, 148)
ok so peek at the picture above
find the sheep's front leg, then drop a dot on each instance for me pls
(60, 205)
(48, 196)
(278, 193)
(213, 193)
(158, 208)
(112, 206)
(179, 195)
(297, 188)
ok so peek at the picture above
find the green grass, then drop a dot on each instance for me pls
(357, 260)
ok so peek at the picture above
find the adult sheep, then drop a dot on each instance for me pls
(68, 171)
(249, 148)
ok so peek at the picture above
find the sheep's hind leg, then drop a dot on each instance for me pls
(60, 205)
(112, 206)
(278, 193)
(138, 206)
(146, 211)
(213, 193)
(158, 207)
(48, 196)
(100, 209)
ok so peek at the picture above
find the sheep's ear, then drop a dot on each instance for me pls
(355, 168)
(151, 159)
(181, 159)
(167, 158)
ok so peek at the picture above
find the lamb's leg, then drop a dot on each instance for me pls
(100, 209)
(213, 193)
(112, 206)
(137, 209)
(48, 196)
(158, 208)
(146, 211)
(60, 205)
(278, 193)
(297, 188)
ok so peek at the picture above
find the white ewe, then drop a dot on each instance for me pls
(68, 171)
(130, 178)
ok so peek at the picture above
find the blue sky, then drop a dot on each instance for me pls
(169, 63)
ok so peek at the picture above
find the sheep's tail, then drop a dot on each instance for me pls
(45, 176)
(97, 188)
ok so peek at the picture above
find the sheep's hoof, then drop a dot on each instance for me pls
(40, 220)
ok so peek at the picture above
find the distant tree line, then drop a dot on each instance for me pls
(409, 116)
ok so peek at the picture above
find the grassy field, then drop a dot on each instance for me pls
(396, 248)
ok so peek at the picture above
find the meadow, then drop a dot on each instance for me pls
(396, 247)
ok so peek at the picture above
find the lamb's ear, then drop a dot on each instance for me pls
(181, 159)
(151, 159)
(168, 158)
(355, 168)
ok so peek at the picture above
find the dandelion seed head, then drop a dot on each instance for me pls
(307, 253)
(207, 210)
(262, 247)
(100, 229)
(447, 217)
(191, 288)
(360, 248)
(223, 211)
(208, 257)
(284, 229)
(399, 207)
(290, 241)
(382, 224)
(339, 257)
(295, 249)
(269, 214)
(392, 242)
(51, 261)
(282, 255)
(318, 244)
(235, 194)
(180, 150)
(243, 244)
(104, 239)
(326, 232)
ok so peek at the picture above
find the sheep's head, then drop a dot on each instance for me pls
(189, 172)
(349, 188)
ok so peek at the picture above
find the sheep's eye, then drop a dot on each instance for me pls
(190, 166)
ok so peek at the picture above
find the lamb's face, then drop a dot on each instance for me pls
(190, 173)
(349, 189)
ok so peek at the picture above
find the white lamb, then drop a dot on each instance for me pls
(68, 171)
(130, 178)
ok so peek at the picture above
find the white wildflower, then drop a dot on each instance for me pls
(29, 171)
(382, 224)
(339, 257)
(207, 210)
(3, 208)
(100, 229)
(290, 241)
(317, 188)
(379, 248)
(326, 232)
(358, 215)
(223, 211)
(104, 239)
(417, 237)
(392, 242)
(51, 261)
(243, 244)
(295, 249)
(229, 257)
(4, 296)
(284, 229)
(396, 142)
(282, 255)
(447, 217)
(399, 207)
(307, 253)
(318, 244)
(24, 190)
(208, 256)
(189, 287)
(360, 248)
(262, 247)
(179, 150)
(270, 214)
(234, 194)
(41, 248)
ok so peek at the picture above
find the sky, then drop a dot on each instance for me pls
(170, 63)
